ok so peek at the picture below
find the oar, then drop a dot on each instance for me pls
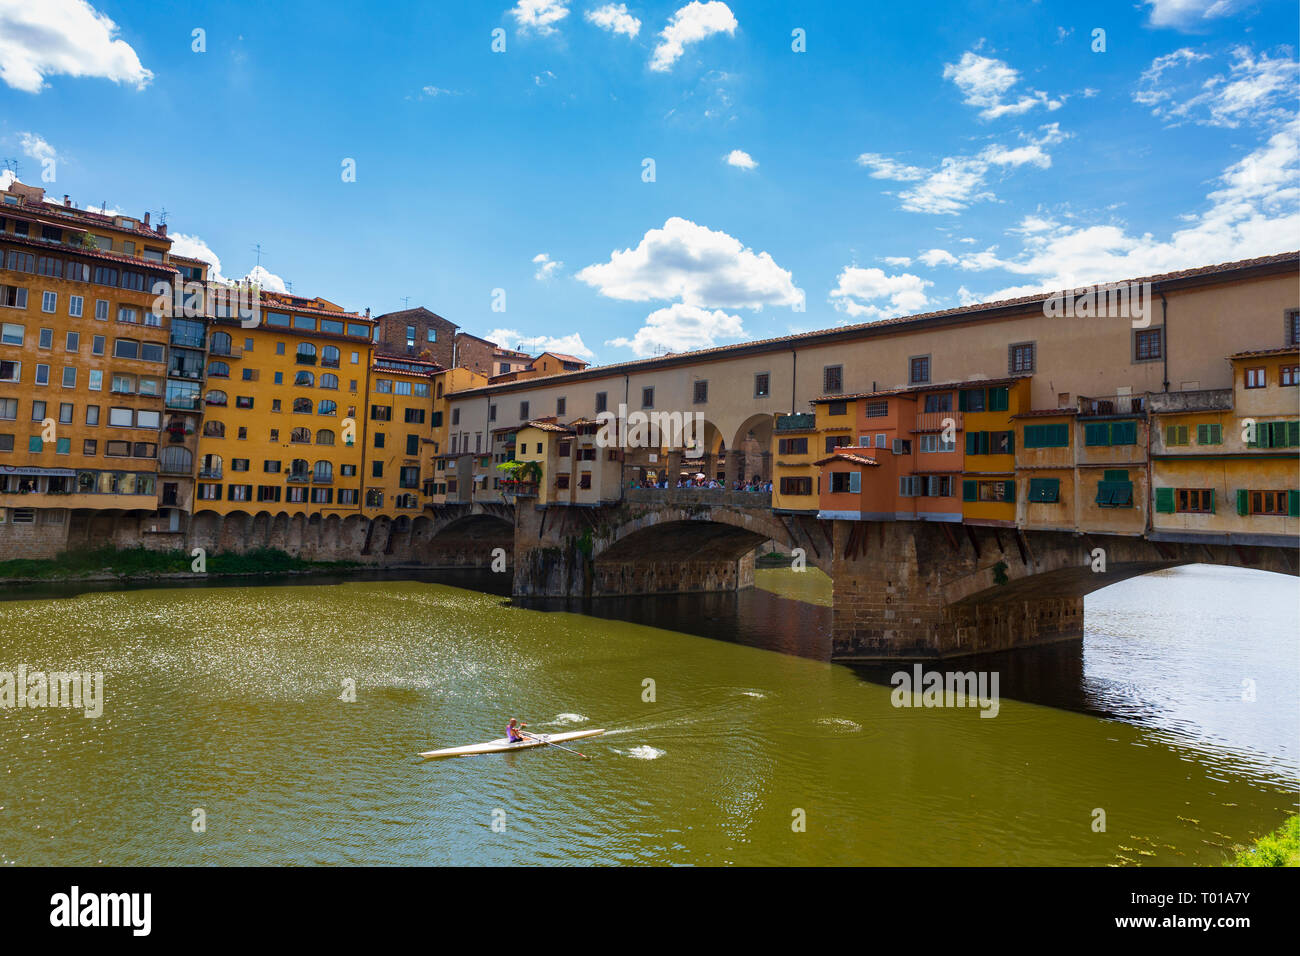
(549, 744)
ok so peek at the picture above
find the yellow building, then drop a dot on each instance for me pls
(83, 362)
(447, 481)
(794, 473)
(989, 469)
(1046, 498)
(286, 420)
(1226, 462)
(576, 470)
(399, 436)
(1111, 462)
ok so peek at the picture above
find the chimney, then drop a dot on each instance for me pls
(66, 200)
(146, 218)
(367, 312)
(162, 228)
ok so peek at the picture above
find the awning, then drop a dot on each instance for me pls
(48, 472)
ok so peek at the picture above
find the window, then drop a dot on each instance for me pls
(833, 379)
(10, 371)
(92, 414)
(49, 301)
(1148, 344)
(837, 441)
(1194, 500)
(972, 490)
(13, 297)
(1177, 435)
(327, 406)
(796, 486)
(1020, 358)
(302, 406)
(702, 392)
(455, 416)
(412, 444)
(1256, 378)
(648, 397)
(329, 380)
(792, 446)
(602, 402)
(72, 342)
(938, 486)
(45, 339)
(11, 334)
(936, 443)
(384, 413)
(1110, 433)
(1276, 435)
(1047, 436)
(38, 411)
(89, 447)
(69, 377)
(8, 409)
(971, 400)
(42, 375)
(121, 417)
(918, 369)
(305, 379)
(523, 411)
(837, 408)
(1211, 434)
(75, 304)
(305, 354)
(875, 409)
(909, 486)
(377, 469)
(65, 413)
(1268, 502)
(762, 385)
(127, 314)
(1293, 328)
(1289, 375)
(562, 482)
(1047, 490)
(940, 402)
(1115, 490)
(560, 404)
(101, 310)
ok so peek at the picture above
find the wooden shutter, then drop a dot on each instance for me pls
(1009, 490)
(1243, 501)
(1293, 504)
(855, 482)
(970, 491)
(1165, 500)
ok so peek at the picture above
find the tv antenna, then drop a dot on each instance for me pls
(406, 301)
(162, 216)
(257, 247)
(12, 166)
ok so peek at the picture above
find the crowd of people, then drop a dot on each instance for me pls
(700, 481)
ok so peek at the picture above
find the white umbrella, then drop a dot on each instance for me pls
(699, 474)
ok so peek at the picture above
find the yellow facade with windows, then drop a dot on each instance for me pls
(989, 465)
(399, 437)
(285, 422)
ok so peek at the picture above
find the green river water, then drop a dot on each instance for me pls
(227, 699)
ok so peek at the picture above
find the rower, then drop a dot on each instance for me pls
(512, 731)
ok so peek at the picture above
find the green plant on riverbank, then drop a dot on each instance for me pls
(142, 562)
(1279, 848)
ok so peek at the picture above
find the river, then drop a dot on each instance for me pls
(731, 739)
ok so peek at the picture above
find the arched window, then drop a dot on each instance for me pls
(218, 370)
(213, 429)
(323, 472)
(176, 459)
(324, 437)
(300, 436)
(302, 405)
(304, 378)
(215, 398)
(329, 380)
(306, 353)
(326, 407)
(220, 343)
(299, 470)
(210, 467)
(329, 357)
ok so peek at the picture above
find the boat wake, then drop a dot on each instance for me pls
(563, 719)
(644, 752)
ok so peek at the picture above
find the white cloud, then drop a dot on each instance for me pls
(959, 181)
(857, 287)
(538, 16)
(195, 248)
(985, 81)
(1254, 211)
(435, 91)
(615, 18)
(690, 24)
(268, 281)
(680, 328)
(698, 266)
(7, 178)
(36, 147)
(537, 344)
(882, 167)
(740, 159)
(902, 261)
(546, 267)
(1187, 14)
(1257, 90)
(63, 37)
(934, 257)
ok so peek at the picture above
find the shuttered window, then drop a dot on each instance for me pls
(1045, 489)
(1047, 436)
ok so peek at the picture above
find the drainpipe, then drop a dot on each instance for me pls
(1164, 351)
(794, 377)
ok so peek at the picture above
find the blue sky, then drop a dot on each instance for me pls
(911, 157)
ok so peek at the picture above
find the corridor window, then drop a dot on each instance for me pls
(1020, 359)
(702, 392)
(1256, 378)
(1147, 345)
(647, 397)
(833, 379)
(762, 385)
(1194, 500)
(918, 371)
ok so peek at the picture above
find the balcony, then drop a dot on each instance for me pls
(230, 353)
(181, 340)
(1112, 405)
(190, 374)
(1201, 400)
(299, 477)
(213, 473)
(805, 421)
(184, 403)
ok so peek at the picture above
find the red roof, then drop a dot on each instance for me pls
(850, 458)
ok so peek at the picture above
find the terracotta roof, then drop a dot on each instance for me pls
(1046, 412)
(566, 358)
(57, 214)
(975, 311)
(1259, 353)
(418, 310)
(547, 427)
(851, 459)
(918, 389)
(61, 248)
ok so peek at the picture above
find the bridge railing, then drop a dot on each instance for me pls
(700, 496)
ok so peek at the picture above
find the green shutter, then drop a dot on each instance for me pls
(970, 491)
(1044, 489)
(1115, 474)
(1293, 504)
(961, 400)
(972, 442)
(1031, 436)
(1293, 434)
(1165, 500)
(999, 400)
(1011, 443)
(1243, 501)
(35, 443)
(1063, 435)
(1211, 501)
(1171, 434)
(1123, 433)
(984, 443)
(63, 446)
(1097, 433)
